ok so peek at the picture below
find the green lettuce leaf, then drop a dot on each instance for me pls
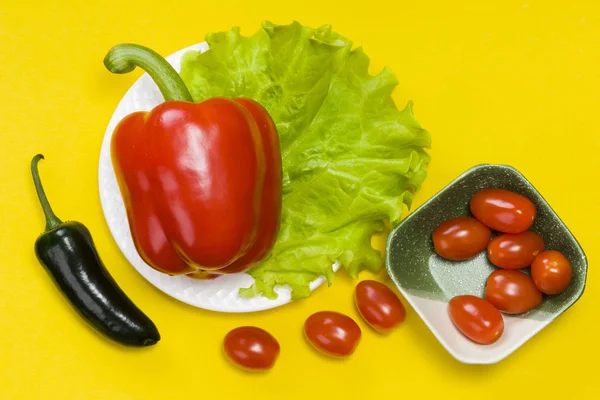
(351, 159)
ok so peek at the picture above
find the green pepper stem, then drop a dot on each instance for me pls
(123, 58)
(52, 220)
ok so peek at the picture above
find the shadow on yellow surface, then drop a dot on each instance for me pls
(513, 82)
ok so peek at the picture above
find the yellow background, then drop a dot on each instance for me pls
(513, 82)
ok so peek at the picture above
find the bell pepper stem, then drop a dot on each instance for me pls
(52, 221)
(123, 58)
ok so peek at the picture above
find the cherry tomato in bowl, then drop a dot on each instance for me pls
(551, 272)
(460, 238)
(379, 305)
(251, 348)
(515, 250)
(476, 318)
(332, 333)
(512, 292)
(503, 210)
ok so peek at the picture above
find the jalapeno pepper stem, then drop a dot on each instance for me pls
(123, 58)
(52, 221)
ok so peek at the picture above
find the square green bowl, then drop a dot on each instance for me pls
(428, 281)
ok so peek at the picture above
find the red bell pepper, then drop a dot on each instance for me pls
(201, 182)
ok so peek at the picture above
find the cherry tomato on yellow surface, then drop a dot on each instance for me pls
(476, 318)
(515, 251)
(251, 348)
(503, 210)
(332, 333)
(551, 272)
(379, 305)
(460, 238)
(512, 292)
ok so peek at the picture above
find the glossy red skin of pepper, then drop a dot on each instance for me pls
(195, 184)
(269, 222)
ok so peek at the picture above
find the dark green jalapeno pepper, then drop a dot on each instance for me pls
(67, 252)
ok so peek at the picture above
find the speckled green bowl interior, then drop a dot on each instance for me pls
(418, 271)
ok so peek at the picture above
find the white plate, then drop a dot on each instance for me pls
(220, 294)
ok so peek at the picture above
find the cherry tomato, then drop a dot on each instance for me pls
(551, 272)
(460, 238)
(515, 250)
(379, 306)
(332, 333)
(476, 318)
(251, 347)
(512, 292)
(503, 210)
